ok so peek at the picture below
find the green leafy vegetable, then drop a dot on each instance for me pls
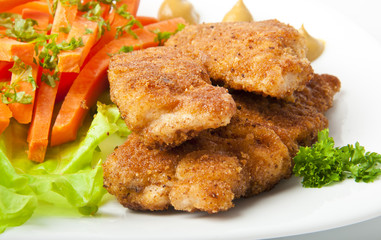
(323, 163)
(71, 175)
(128, 26)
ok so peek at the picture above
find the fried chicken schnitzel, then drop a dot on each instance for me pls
(266, 57)
(248, 156)
(166, 97)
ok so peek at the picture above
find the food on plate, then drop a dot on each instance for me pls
(178, 8)
(239, 13)
(315, 47)
(166, 97)
(266, 57)
(323, 163)
(248, 156)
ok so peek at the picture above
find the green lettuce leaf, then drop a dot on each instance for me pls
(71, 175)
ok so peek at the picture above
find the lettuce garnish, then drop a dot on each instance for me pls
(71, 175)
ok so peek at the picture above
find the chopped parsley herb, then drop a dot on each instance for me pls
(94, 13)
(65, 29)
(127, 27)
(7, 19)
(126, 49)
(21, 72)
(162, 37)
(48, 55)
(323, 163)
(88, 31)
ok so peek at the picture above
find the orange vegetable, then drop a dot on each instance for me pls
(23, 112)
(66, 80)
(38, 135)
(71, 61)
(41, 17)
(5, 115)
(41, 6)
(92, 81)
(5, 74)
(10, 48)
(9, 4)
(63, 18)
(116, 21)
(144, 20)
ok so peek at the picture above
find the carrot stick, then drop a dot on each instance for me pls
(144, 20)
(33, 5)
(92, 81)
(117, 21)
(10, 48)
(5, 115)
(63, 18)
(5, 74)
(38, 135)
(66, 80)
(71, 61)
(40, 127)
(23, 112)
(41, 17)
(7, 4)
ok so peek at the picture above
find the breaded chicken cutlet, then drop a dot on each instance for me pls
(266, 57)
(166, 97)
(248, 156)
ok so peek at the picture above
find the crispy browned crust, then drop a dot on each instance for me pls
(166, 97)
(266, 57)
(248, 156)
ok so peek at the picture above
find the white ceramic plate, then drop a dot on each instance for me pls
(289, 209)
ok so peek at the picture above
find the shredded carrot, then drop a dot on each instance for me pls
(71, 61)
(92, 81)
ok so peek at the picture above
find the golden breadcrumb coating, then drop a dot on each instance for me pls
(248, 156)
(266, 57)
(166, 97)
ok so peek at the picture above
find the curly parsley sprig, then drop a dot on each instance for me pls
(323, 163)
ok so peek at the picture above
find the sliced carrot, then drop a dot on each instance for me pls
(144, 20)
(10, 48)
(41, 17)
(33, 5)
(66, 80)
(170, 25)
(9, 4)
(92, 81)
(71, 61)
(63, 19)
(5, 74)
(5, 115)
(23, 112)
(117, 21)
(39, 129)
